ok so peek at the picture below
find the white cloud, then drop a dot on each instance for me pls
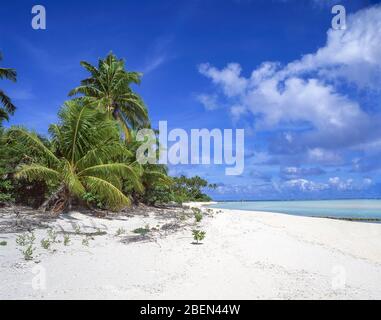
(304, 185)
(208, 101)
(349, 184)
(318, 155)
(305, 93)
(228, 78)
(300, 186)
(353, 53)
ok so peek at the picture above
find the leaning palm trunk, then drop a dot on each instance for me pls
(57, 202)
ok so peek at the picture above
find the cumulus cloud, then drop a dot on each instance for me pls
(297, 187)
(289, 173)
(304, 185)
(228, 78)
(209, 101)
(349, 184)
(307, 93)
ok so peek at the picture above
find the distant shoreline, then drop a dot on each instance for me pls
(291, 200)
(363, 210)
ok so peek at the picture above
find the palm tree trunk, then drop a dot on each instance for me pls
(58, 201)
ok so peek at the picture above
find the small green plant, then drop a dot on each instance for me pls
(45, 243)
(142, 231)
(77, 228)
(22, 239)
(28, 252)
(196, 210)
(26, 241)
(85, 241)
(198, 235)
(120, 231)
(52, 235)
(66, 240)
(197, 214)
(3, 243)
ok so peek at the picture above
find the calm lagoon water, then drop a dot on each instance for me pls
(364, 209)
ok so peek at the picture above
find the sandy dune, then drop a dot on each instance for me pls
(245, 255)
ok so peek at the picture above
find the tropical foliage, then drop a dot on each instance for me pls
(85, 160)
(6, 106)
(109, 88)
(191, 189)
(86, 155)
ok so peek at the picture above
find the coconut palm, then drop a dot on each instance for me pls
(152, 175)
(3, 115)
(86, 156)
(108, 87)
(6, 106)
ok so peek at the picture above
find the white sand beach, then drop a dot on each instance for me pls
(245, 255)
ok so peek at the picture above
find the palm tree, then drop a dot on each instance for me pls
(86, 156)
(3, 115)
(108, 87)
(152, 175)
(6, 106)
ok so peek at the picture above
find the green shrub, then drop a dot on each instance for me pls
(93, 200)
(3, 243)
(85, 241)
(197, 214)
(156, 195)
(142, 231)
(6, 189)
(45, 243)
(28, 252)
(26, 241)
(77, 228)
(66, 240)
(120, 231)
(21, 239)
(190, 189)
(198, 235)
(52, 235)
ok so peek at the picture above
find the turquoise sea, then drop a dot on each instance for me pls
(349, 209)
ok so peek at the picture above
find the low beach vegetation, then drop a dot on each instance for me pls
(197, 214)
(142, 231)
(198, 235)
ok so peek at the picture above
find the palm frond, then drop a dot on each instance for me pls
(121, 170)
(83, 128)
(7, 103)
(93, 70)
(113, 196)
(3, 115)
(153, 177)
(33, 172)
(102, 154)
(31, 140)
(7, 73)
(72, 180)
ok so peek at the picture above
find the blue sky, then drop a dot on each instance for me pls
(308, 97)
